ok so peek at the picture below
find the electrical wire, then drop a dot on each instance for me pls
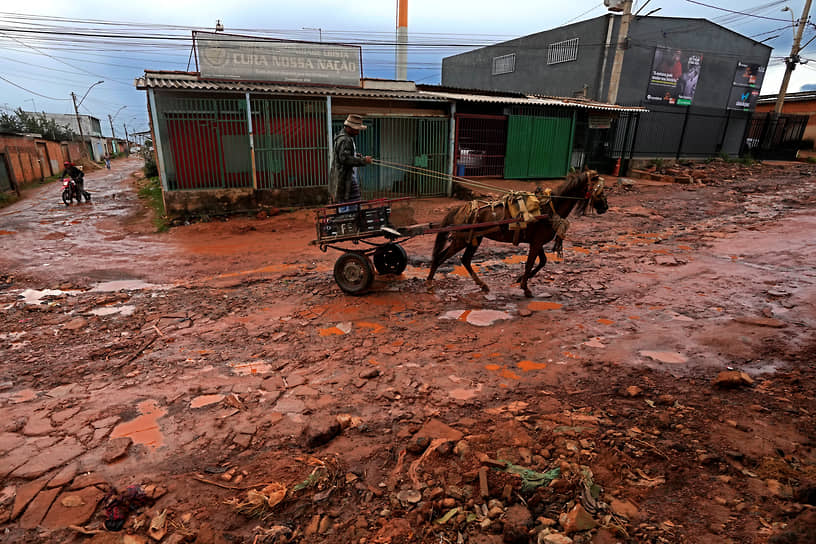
(32, 92)
(737, 12)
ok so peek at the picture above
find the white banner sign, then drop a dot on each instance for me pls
(225, 56)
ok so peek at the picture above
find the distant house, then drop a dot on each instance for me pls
(803, 103)
(91, 129)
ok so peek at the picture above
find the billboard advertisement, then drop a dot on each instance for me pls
(674, 77)
(745, 90)
(749, 75)
(226, 56)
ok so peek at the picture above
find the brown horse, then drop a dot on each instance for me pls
(584, 190)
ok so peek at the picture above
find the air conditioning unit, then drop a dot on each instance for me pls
(614, 5)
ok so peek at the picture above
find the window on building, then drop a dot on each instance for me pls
(504, 64)
(565, 51)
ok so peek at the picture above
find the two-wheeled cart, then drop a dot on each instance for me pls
(346, 230)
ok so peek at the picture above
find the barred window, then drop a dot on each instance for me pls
(562, 51)
(504, 64)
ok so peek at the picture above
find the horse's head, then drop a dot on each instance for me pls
(595, 196)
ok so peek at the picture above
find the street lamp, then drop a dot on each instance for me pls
(111, 118)
(76, 110)
(319, 31)
(127, 139)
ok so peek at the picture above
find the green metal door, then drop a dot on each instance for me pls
(538, 147)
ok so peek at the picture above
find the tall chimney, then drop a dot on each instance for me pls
(402, 39)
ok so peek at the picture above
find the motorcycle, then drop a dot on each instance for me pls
(70, 190)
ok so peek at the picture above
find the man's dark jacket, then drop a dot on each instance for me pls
(74, 172)
(342, 169)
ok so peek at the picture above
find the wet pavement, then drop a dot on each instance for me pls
(226, 346)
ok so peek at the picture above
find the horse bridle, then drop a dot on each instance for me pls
(594, 192)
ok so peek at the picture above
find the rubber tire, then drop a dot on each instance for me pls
(66, 197)
(390, 259)
(353, 273)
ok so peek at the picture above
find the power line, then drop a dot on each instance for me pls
(32, 92)
(737, 12)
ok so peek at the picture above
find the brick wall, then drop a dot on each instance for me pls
(24, 159)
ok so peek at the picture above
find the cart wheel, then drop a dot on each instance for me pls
(353, 273)
(390, 259)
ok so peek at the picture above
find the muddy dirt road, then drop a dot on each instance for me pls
(220, 368)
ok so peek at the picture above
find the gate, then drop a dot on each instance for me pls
(291, 148)
(481, 143)
(413, 141)
(538, 146)
(207, 143)
(775, 137)
(45, 163)
(5, 178)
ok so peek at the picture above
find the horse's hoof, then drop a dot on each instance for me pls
(528, 293)
(485, 288)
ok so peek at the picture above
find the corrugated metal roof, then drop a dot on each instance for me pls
(532, 100)
(190, 81)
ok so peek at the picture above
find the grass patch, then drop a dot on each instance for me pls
(151, 192)
(811, 160)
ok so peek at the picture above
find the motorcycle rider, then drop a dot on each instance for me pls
(79, 178)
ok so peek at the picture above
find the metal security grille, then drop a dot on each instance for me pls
(291, 143)
(562, 51)
(207, 142)
(504, 64)
(481, 141)
(421, 142)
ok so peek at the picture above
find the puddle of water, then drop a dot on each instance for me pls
(594, 343)
(527, 366)
(247, 369)
(485, 318)
(669, 357)
(478, 318)
(544, 305)
(145, 428)
(205, 400)
(376, 328)
(452, 314)
(503, 371)
(339, 330)
(124, 285)
(110, 310)
(32, 296)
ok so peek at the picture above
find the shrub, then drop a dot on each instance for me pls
(150, 169)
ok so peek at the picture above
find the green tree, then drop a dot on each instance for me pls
(35, 123)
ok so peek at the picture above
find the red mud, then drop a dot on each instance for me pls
(343, 395)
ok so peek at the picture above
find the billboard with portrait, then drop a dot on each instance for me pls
(674, 76)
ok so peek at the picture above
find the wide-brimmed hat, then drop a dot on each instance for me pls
(355, 121)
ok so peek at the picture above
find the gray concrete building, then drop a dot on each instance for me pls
(699, 80)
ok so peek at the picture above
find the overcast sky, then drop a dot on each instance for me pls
(52, 66)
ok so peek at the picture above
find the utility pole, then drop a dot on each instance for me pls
(113, 132)
(793, 59)
(620, 48)
(127, 140)
(79, 124)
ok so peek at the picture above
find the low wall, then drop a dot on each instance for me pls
(24, 161)
(228, 201)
